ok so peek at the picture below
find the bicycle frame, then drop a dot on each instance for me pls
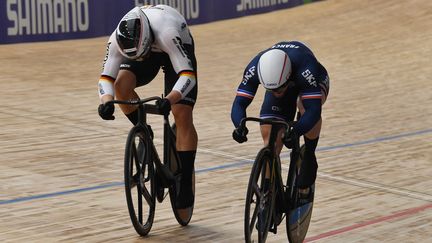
(140, 171)
(168, 145)
(280, 201)
(171, 169)
(275, 163)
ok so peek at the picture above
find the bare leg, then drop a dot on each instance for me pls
(186, 143)
(265, 133)
(124, 89)
(187, 137)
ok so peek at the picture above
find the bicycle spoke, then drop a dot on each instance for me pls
(256, 190)
(144, 191)
(134, 152)
(254, 216)
(140, 211)
(134, 181)
(135, 156)
(147, 196)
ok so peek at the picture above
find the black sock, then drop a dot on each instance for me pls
(186, 198)
(309, 166)
(133, 116)
(311, 144)
(187, 159)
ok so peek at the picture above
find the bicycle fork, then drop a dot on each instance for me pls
(277, 189)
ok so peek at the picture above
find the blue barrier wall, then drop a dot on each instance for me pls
(48, 20)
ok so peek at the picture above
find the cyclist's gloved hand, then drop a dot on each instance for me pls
(106, 111)
(164, 106)
(290, 138)
(239, 134)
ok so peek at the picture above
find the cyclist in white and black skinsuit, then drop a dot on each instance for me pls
(146, 39)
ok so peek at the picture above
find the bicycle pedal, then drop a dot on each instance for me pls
(159, 188)
(273, 229)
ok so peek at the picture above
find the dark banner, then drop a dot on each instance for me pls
(48, 20)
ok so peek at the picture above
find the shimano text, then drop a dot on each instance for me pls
(35, 17)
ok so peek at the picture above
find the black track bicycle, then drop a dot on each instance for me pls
(145, 176)
(268, 200)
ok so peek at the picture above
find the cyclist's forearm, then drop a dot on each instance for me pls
(238, 110)
(104, 99)
(106, 89)
(174, 96)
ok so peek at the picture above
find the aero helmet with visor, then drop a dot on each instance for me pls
(133, 34)
(274, 69)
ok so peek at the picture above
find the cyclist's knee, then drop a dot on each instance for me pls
(125, 83)
(182, 114)
(265, 133)
(315, 131)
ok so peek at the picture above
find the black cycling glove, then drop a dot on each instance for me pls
(164, 106)
(239, 134)
(290, 138)
(106, 111)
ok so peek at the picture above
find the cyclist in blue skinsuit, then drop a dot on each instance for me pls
(293, 78)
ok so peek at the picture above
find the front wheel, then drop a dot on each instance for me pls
(260, 199)
(139, 175)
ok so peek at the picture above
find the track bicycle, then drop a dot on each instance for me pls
(145, 176)
(268, 200)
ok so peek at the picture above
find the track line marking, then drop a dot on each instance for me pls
(371, 185)
(398, 215)
(243, 161)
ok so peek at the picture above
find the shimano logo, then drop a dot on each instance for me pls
(309, 77)
(35, 17)
(124, 65)
(255, 4)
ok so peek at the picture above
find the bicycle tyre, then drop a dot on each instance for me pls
(183, 216)
(255, 196)
(182, 220)
(298, 217)
(140, 177)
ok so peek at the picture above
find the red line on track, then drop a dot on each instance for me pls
(403, 213)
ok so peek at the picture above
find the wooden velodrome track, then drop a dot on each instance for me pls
(61, 167)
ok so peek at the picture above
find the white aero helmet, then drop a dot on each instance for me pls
(133, 34)
(274, 69)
